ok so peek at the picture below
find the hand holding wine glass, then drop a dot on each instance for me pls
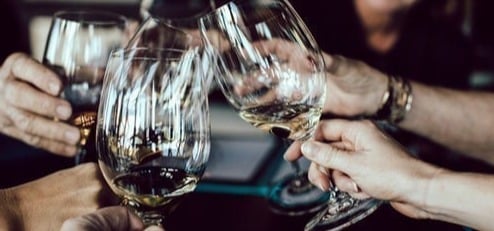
(272, 71)
(153, 135)
(28, 95)
(77, 49)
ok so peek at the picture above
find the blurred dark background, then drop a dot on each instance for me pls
(228, 205)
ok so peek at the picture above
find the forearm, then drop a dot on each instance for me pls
(462, 121)
(9, 213)
(461, 198)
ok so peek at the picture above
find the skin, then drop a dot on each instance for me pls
(365, 162)
(114, 218)
(44, 204)
(360, 153)
(29, 104)
(354, 88)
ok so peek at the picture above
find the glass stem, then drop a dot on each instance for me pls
(294, 164)
(296, 168)
(148, 217)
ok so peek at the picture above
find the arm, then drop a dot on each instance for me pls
(383, 169)
(9, 214)
(459, 120)
(44, 204)
(461, 198)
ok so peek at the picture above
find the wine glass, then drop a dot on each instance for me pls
(173, 24)
(266, 89)
(77, 49)
(163, 19)
(271, 70)
(153, 135)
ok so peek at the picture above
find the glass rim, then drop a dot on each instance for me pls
(96, 17)
(145, 12)
(125, 51)
(240, 3)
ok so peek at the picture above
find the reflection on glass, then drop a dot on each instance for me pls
(77, 49)
(153, 133)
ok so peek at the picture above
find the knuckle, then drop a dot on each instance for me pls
(4, 123)
(46, 105)
(8, 64)
(18, 59)
(25, 122)
(10, 93)
(33, 140)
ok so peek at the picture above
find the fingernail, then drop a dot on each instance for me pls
(320, 185)
(63, 111)
(54, 88)
(72, 136)
(355, 187)
(307, 148)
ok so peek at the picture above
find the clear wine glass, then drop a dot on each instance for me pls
(77, 48)
(173, 24)
(266, 89)
(271, 70)
(153, 135)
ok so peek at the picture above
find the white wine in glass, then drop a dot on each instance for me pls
(270, 68)
(153, 133)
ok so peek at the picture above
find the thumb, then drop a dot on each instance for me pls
(154, 228)
(326, 155)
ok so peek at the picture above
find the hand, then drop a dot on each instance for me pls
(362, 154)
(46, 203)
(353, 87)
(29, 104)
(115, 218)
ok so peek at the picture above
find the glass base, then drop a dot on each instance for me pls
(341, 212)
(148, 217)
(296, 196)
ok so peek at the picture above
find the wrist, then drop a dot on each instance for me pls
(396, 100)
(10, 215)
(431, 187)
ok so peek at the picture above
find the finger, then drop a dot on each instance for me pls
(154, 228)
(26, 97)
(338, 65)
(331, 130)
(114, 218)
(42, 127)
(29, 70)
(293, 152)
(327, 156)
(344, 131)
(297, 57)
(319, 178)
(52, 146)
(346, 184)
